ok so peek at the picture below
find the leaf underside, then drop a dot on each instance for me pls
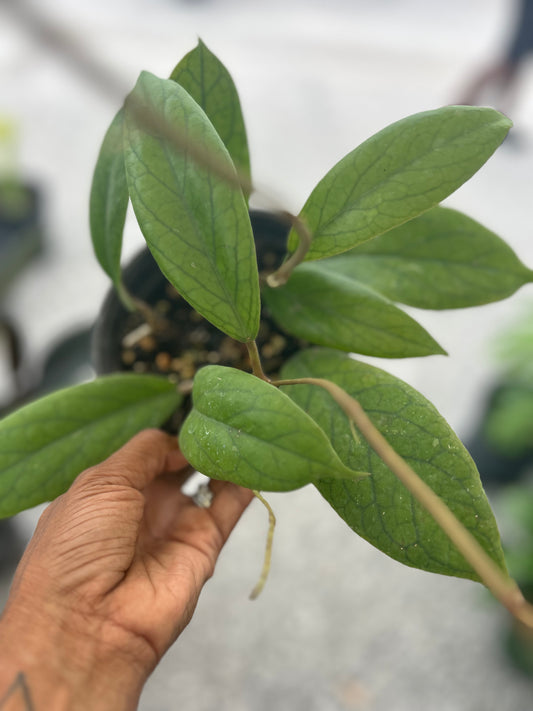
(196, 225)
(395, 175)
(379, 508)
(46, 444)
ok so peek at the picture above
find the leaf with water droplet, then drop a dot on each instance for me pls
(379, 508)
(243, 429)
(397, 174)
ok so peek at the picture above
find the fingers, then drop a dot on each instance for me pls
(229, 503)
(142, 459)
(204, 531)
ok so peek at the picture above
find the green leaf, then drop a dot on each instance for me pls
(209, 83)
(195, 224)
(46, 444)
(379, 508)
(244, 430)
(331, 310)
(439, 260)
(397, 174)
(109, 201)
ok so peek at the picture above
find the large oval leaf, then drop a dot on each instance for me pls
(109, 200)
(379, 508)
(244, 430)
(397, 174)
(195, 223)
(439, 260)
(331, 310)
(209, 83)
(46, 444)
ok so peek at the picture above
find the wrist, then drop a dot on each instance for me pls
(65, 664)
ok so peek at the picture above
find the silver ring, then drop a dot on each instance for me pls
(203, 498)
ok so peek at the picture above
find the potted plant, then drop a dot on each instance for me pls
(370, 235)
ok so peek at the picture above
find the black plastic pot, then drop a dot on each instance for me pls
(190, 332)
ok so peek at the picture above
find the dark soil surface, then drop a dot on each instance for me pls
(189, 342)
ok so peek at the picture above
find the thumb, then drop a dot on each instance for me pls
(147, 455)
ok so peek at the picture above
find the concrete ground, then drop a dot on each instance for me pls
(339, 626)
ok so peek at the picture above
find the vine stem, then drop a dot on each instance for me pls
(127, 300)
(501, 586)
(132, 303)
(281, 276)
(268, 548)
(255, 360)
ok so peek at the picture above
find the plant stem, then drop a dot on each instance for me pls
(268, 549)
(255, 361)
(127, 300)
(502, 587)
(156, 321)
(281, 276)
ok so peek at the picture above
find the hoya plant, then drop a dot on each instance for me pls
(371, 235)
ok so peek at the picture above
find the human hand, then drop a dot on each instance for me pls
(112, 576)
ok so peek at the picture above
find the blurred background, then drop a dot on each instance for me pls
(339, 626)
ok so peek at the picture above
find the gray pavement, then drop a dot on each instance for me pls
(339, 626)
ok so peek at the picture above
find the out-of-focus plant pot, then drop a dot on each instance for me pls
(21, 228)
(498, 465)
